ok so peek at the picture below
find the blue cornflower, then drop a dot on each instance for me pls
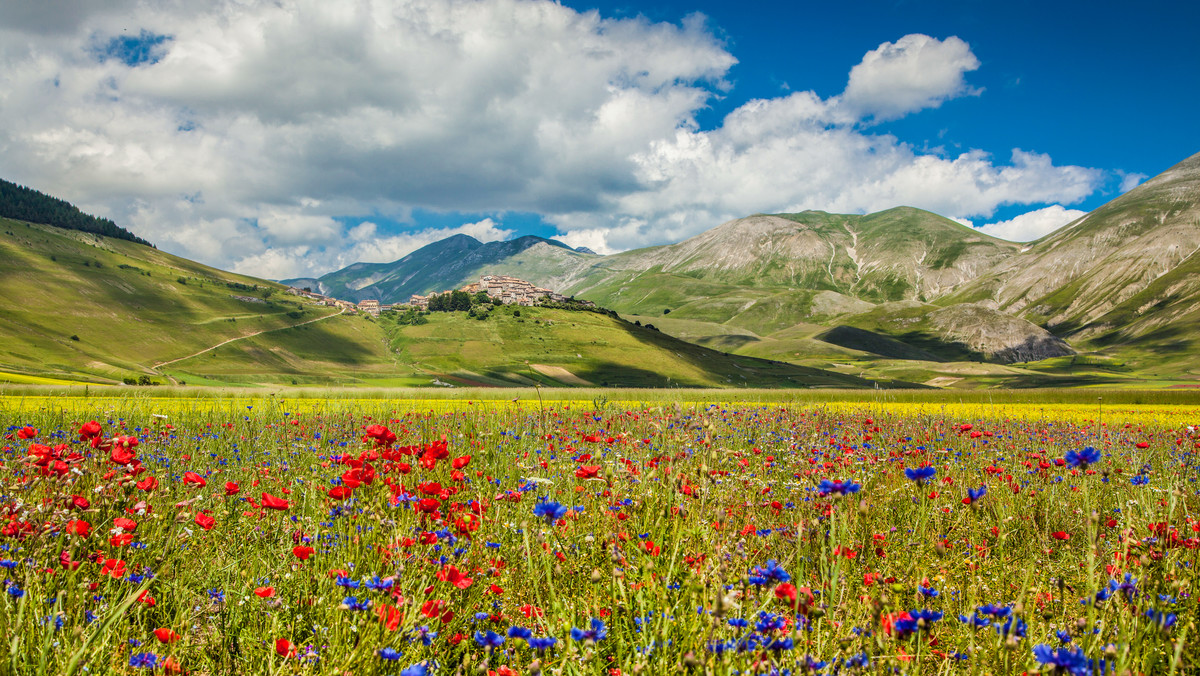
(927, 592)
(16, 592)
(549, 510)
(217, 595)
(768, 622)
(779, 644)
(418, 669)
(352, 603)
(1063, 660)
(8, 563)
(380, 585)
(1163, 620)
(994, 610)
(597, 633)
(490, 640)
(920, 474)
(343, 581)
(1081, 459)
(1015, 626)
(143, 660)
(520, 632)
(975, 620)
(1064, 637)
(542, 643)
(390, 654)
(828, 487)
(769, 572)
(974, 495)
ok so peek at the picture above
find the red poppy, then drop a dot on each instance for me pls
(340, 492)
(166, 635)
(455, 577)
(271, 502)
(89, 430)
(587, 472)
(264, 592)
(195, 479)
(231, 488)
(302, 552)
(78, 527)
(112, 567)
(1060, 535)
(26, 432)
(205, 521)
(284, 647)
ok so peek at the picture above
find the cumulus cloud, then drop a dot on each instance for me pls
(1033, 224)
(913, 73)
(274, 136)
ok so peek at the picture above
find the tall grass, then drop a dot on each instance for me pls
(700, 535)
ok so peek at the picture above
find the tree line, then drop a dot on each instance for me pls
(26, 204)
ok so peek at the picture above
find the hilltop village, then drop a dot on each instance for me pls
(500, 289)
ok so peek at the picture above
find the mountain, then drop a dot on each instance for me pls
(81, 307)
(446, 264)
(1111, 298)
(1071, 278)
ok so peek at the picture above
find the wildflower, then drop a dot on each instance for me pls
(1081, 459)
(418, 669)
(549, 510)
(271, 502)
(973, 495)
(1163, 620)
(352, 603)
(390, 654)
(596, 634)
(1063, 660)
(768, 572)
(143, 660)
(490, 640)
(920, 474)
(520, 632)
(165, 635)
(828, 487)
(542, 643)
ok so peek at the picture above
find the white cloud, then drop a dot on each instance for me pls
(1033, 224)
(260, 128)
(913, 73)
(1130, 181)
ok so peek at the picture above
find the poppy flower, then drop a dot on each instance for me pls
(166, 635)
(77, 527)
(89, 430)
(284, 647)
(302, 552)
(194, 479)
(271, 502)
(26, 432)
(1060, 535)
(340, 492)
(587, 472)
(231, 488)
(264, 592)
(205, 521)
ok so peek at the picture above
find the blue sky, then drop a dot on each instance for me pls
(294, 138)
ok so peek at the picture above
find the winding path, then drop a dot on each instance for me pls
(248, 335)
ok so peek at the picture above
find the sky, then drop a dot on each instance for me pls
(290, 138)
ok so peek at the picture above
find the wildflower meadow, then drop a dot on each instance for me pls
(596, 537)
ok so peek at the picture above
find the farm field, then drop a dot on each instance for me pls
(602, 532)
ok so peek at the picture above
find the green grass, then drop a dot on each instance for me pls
(694, 497)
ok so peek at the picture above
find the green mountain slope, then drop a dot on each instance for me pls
(26, 204)
(83, 305)
(77, 306)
